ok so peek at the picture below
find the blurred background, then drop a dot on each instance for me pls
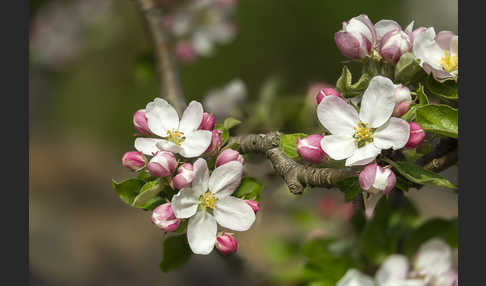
(91, 69)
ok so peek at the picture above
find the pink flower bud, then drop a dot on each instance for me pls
(229, 155)
(207, 122)
(357, 37)
(417, 135)
(394, 44)
(140, 122)
(164, 217)
(185, 52)
(226, 243)
(413, 35)
(375, 179)
(162, 164)
(403, 100)
(213, 148)
(184, 177)
(253, 204)
(310, 149)
(134, 160)
(326, 92)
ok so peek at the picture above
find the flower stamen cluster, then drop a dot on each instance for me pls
(363, 134)
(449, 62)
(208, 200)
(176, 137)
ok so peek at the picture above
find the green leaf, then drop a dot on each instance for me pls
(446, 89)
(145, 176)
(408, 69)
(419, 175)
(438, 118)
(224, 134)
(176, 252)
(347, 88)
(350, 187)
(344, 81)
(437, 227)
(361, 84)
(148, 192)
(154, 202)
(288, 144)
(231, 122)
(422, 96)
(128, 189)
(249, 189)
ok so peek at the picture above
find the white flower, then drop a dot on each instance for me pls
(434, 258)
(178, 136)
(208, 202)
(222, 101)
(360, 138)
(394, 272)
(354, 277)
(438, 53)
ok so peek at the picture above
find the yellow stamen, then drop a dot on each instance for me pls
(176, 137)
(363, 134)
(449, 62)
(208, 200)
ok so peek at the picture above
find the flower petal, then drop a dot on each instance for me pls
(338, 147)
(444, 38)
(191, 118)
(225, 179)
(201, 232)
(367, 176)
(393, 134)
(337, 116)
(363, 155)
(195, 143)
(234, 213)
(384, 26)
(427, 50)
(393, 269)
(168, 146)
(148, 146)
(161, 117)
(185, 203)
(354, 277)
(378, 102)
(201, 177)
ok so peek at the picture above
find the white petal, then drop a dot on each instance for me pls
(161, 117)
(191, 118)
(185, 203)
(195, 143)
(168, 146)
(409, 28)
(354, 277)
(378, 102)
(381, 178)
(433, 258)
(201, 232)
(393, 134)
(454, 47)
(338, 147)
(357, 27)
(337, 116)
(234, 213)
(395, 267)
(148, 146)
(363, 155)
(225, 179)
(201, 177)
(384, 26)
(426, 48)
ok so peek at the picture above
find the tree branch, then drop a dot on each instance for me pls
(169, 82)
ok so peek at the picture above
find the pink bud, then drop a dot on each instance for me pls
(184, 177)
(310, 149)
(229, 155)
(403, 100)
(375, 179)
(140, 122)
(413, 35)
(134, 160)
(394, 44)
(164, 217)
(213, 148)
(185, 52)
(356, 38)
(253, 204)
(207, 122)
(417, 135)
(162, 164)
(226, 243)
(326, 92)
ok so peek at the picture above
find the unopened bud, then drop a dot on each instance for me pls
(134, 160)
(403, 100)
(207, 122)
(253, 204)
(226, 243)
(213, 148)
(162, 164)
(357, 37)
(394, 44)
(310, 149)
(417, 135)
(229, 155)
(164, 218)
(140, 122)
(375, 179)
(184, 177)
(185, 52)
(326, 92)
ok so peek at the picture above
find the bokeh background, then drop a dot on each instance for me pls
(89, 74)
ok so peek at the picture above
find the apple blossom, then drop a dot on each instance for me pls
(326, 91)
(221, 102)
(309, 149)
(162, 164)
(357, 37)
(140, 122)
(354, 277)
(134, 160)
(213, 148)
(178, 136)
(359, 138)
(438, 54)
(208, 202)
(254, 205)
(207, 122)
(184, 177)
(185, 52)
(417, 135)
(229, 155)
(226, 243)
(392, 41)
(403, 100)
(375, 179)
(433, 259)
(164, 218)
(394, 271)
